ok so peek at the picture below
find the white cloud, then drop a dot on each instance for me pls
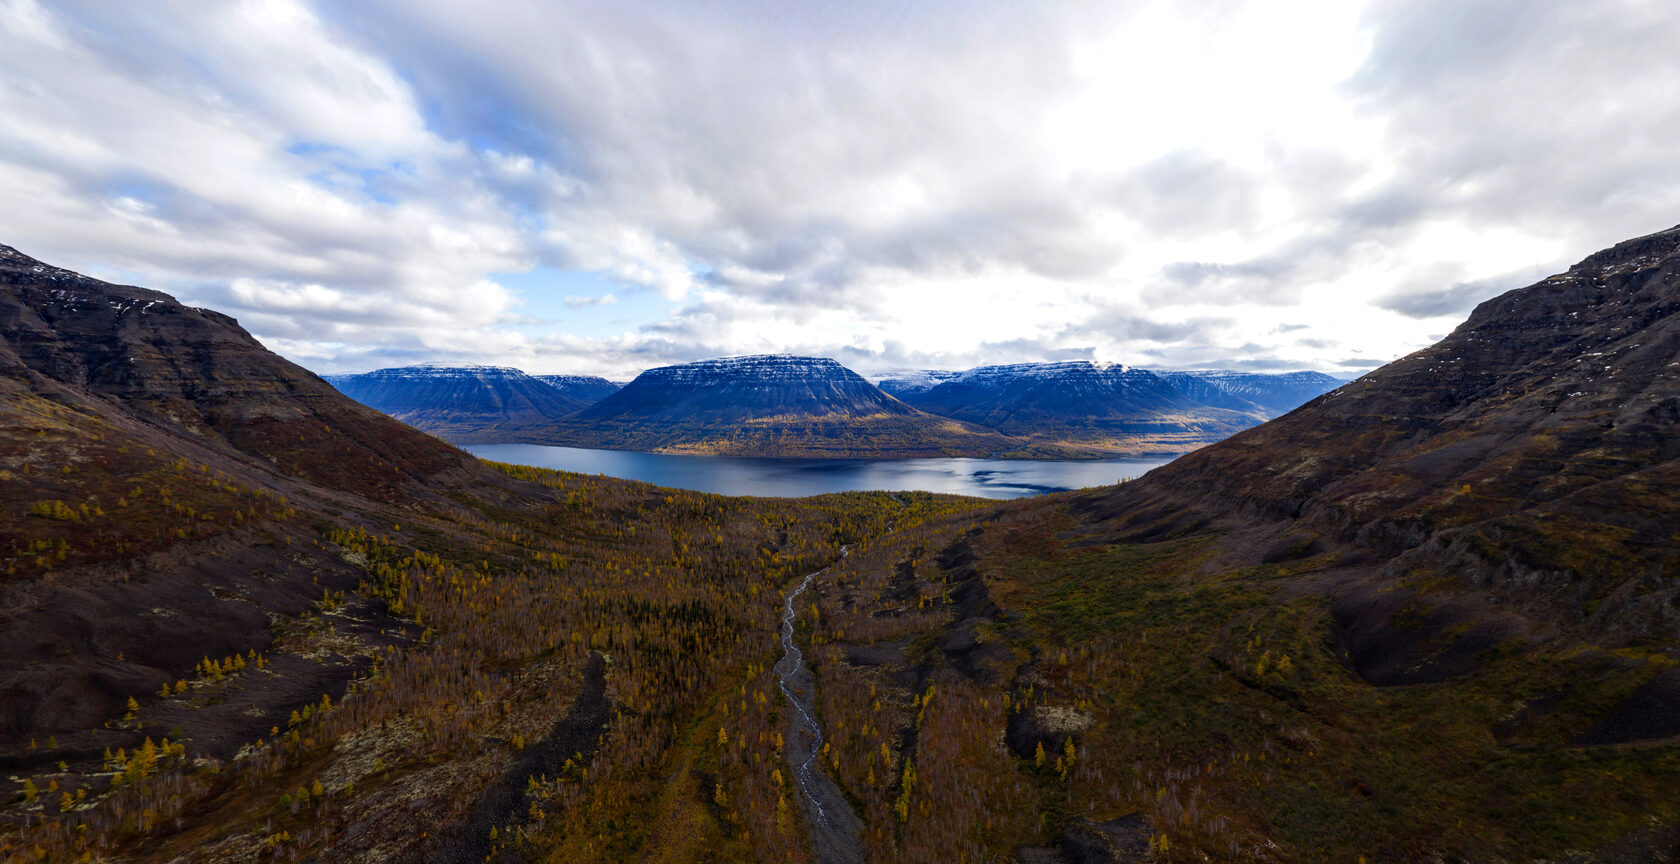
(583, 302)
(896, 184)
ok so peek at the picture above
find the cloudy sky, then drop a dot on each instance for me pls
(600, 187)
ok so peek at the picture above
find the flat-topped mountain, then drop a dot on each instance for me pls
(1080, 406)
(757, 387)
(770, 405)
(461, 403)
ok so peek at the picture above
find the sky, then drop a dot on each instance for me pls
(603, 187)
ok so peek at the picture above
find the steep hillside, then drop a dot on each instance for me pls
(1429, 616)
(464, 404)
(244, 618)
(85, 344)
(1535, 446)
(155, 463)
(767, 405)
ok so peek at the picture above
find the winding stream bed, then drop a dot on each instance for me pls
(834, 827)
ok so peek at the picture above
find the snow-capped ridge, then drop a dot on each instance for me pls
(1057, 369)
(440, 371)
(764, 367)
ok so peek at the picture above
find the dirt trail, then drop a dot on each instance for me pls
(834, 827)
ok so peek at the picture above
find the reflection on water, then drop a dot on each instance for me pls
(733, 475)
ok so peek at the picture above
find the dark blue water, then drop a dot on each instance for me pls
(794, 478)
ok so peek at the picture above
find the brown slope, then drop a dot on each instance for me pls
(69, 337)
(1535, 447)
(1429, 616)
(159, 472)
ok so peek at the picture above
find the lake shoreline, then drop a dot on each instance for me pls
(791, 477)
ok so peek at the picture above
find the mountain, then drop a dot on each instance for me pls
(737, 389)
(1269, 394)
(1051, 410)
(586, 388)
(154, 457)
(1533, 451)
(1430, 615)
(765, 405)
(903, 385)
(243, 617)
(463, 404)
(1085, 408)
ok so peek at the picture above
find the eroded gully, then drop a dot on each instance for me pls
(834, 827)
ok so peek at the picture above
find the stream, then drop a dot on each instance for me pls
(834, 827)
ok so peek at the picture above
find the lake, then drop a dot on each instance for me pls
(796, 478)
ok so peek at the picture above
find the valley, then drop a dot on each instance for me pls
(1428, 616)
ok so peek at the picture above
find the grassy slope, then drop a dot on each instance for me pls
(1221, 708)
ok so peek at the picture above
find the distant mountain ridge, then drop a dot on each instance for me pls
(1085, 407)
(461, 403)
(588, 388)
(1277, 393)
(1071, 409)
(766, 405)
(751, 387)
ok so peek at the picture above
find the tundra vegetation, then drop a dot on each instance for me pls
(503, 603)
(1428, 618)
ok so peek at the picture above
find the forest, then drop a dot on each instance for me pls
(496, 613)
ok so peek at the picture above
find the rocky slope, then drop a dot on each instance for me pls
(1427, 616)
(243, 617)
(765, 405)
(1535, 447)
(464, 404)
(153, 460)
